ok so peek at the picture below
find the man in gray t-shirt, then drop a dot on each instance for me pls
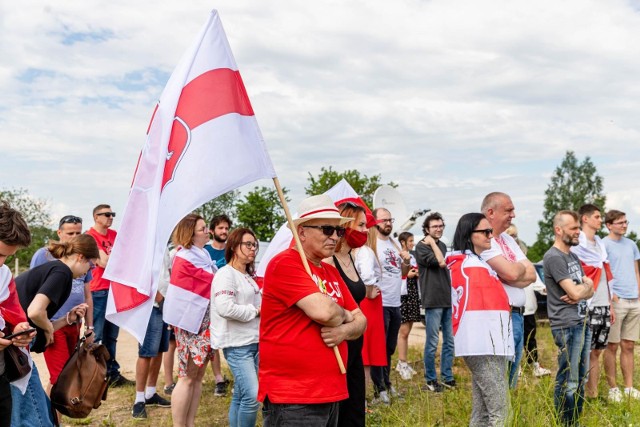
(567, 290)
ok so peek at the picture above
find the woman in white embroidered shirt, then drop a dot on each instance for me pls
(235, 322)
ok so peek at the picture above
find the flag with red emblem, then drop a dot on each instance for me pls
(203, 141)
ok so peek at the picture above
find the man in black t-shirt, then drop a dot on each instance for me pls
(435, 286)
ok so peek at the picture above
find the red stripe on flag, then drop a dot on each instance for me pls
(126, 297)
(197, 106)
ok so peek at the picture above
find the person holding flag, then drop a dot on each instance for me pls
(304, 315)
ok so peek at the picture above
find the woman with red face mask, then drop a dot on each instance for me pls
(352, 410)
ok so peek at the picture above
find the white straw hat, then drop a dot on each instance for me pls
(318, 207)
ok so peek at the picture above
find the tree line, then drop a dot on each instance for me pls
(572, 184)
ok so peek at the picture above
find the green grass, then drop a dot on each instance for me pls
(531, 403)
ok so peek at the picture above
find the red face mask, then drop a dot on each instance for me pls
(355, 238)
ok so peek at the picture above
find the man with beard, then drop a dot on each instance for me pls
(395, 263)
(219, 229)
(567, 291)
(435, 286)
(515, 271)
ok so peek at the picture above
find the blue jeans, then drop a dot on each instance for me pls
(434, 319)
(308, 415)
(574, 344)
(517, 326)
(243, 362)
(380, 374)
(105, 331)
(33, 408)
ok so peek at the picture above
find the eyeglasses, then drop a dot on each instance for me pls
(389, 220)
(107, 214)
(328, 230)
(437, 227)
(487, 232)
(250, 245)
(70, 219)
(621, 223)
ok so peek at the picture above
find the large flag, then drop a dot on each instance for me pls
(203, 141)
(340, 193)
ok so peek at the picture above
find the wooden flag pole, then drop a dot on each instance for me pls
(294, 231)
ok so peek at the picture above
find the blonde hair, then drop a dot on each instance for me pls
(185, 230)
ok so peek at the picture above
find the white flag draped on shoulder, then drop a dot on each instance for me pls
(203, 141)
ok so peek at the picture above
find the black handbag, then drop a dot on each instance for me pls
(16, 363)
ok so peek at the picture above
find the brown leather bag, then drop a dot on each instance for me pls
(82, 384)
(16, 363)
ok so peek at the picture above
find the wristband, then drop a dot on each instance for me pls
(91, 328)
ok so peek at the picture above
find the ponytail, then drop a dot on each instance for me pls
(82, 244)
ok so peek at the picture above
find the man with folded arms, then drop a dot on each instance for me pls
(303, 318)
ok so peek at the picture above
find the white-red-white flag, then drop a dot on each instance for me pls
(203, 141)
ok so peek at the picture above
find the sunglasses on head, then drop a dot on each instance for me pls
(107, 214)
(70, 219)
(328, 230)
(487, 231)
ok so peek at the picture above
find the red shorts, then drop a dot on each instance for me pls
(57, 354)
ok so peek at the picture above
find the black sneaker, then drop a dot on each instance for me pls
(221, 388)
(139, 411)
(120, 381)
(433, 386)
(168, 389)
(450, 384)
(156, 400)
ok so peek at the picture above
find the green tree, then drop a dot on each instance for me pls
(364, 185)
(224, 204)
(261, 211)
(634, 236)
(36, 214)
(572, 185)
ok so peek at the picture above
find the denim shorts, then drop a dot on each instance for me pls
(156, 340)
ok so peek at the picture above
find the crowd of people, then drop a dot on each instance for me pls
(304, 342)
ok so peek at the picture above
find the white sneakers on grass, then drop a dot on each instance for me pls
(539, 371)
(405, 370)
(615, 395)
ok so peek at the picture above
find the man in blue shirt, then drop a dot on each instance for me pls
(623, 256)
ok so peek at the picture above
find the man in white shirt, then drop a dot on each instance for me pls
(514, 269)
(395, 263)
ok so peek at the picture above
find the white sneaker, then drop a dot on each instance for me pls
(394, 392)
(615, 395)
(413, 371)
(632, 392)
(383, 397)
(539, 371)
(405, 371)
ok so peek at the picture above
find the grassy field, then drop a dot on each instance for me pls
(532, 402)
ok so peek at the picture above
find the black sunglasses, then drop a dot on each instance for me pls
(70, 219)
(108, 214)
(328, 230)
(487, 231)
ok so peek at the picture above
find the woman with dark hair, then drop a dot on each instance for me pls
(481, 321)
(235, 323)
(186, 307)
(42, 291)
(409, 307)
(352, 410)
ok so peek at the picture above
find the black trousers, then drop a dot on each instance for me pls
(5, 402)
(530, 343)
(351, 410)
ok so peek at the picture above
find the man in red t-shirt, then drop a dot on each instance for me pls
(302, 322)
(105, 331)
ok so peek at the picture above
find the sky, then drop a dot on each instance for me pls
(449, 99)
